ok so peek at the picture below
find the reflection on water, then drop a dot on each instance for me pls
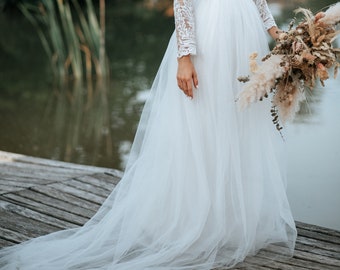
(313, 163)
(78, 118)
(95, 123)
(313, 145)
(89, 124)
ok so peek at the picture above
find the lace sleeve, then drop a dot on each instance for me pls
(185, 27)
(265, 13)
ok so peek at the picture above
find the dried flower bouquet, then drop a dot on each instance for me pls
(300, 57)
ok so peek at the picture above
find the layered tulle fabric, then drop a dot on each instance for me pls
(204, 185)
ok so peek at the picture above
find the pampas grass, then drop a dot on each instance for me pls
(262, 81)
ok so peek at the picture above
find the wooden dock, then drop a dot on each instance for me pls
(39, 196)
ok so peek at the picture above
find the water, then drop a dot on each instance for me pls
(313, 161)
(95, 124)
(314, 147)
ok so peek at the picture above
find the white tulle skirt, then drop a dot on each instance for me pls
(204, 185)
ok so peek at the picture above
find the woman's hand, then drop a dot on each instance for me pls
(186, 75)
(319, 16)
(275, 32)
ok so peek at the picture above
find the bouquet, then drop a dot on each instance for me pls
(301, 56)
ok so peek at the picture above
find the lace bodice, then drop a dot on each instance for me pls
(185, 24)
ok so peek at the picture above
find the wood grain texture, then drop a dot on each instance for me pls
(39, 196)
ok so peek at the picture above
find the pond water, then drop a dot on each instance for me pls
(95, 124)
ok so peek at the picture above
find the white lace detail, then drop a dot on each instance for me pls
(265, 13)
(185, 27)
(185, 24)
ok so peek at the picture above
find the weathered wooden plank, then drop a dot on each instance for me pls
(317, 251)
(30, 214)
(12, 236)
(253, 262)
(10, 183)
(319, 244)
(102, 180)
(19, 224)
(78, 193)
(62, 195)
(319, 229)
(6, 243)
(324, 260)
(40, 171)
(319, 236)
(56, 203)
(88, 187)
(7, 179)
(109, 177)
(249, 266)
(45, 209)
(296, 261)
(6, 189)
(12, 157)
(18, 186)
(117, 177)
(250, 263)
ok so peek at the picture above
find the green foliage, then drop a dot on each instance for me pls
(73, 41)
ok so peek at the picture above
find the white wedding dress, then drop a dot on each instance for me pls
(205, 184)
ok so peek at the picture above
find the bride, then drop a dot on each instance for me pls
(204, 185)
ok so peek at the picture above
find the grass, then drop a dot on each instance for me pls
(73, 39)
